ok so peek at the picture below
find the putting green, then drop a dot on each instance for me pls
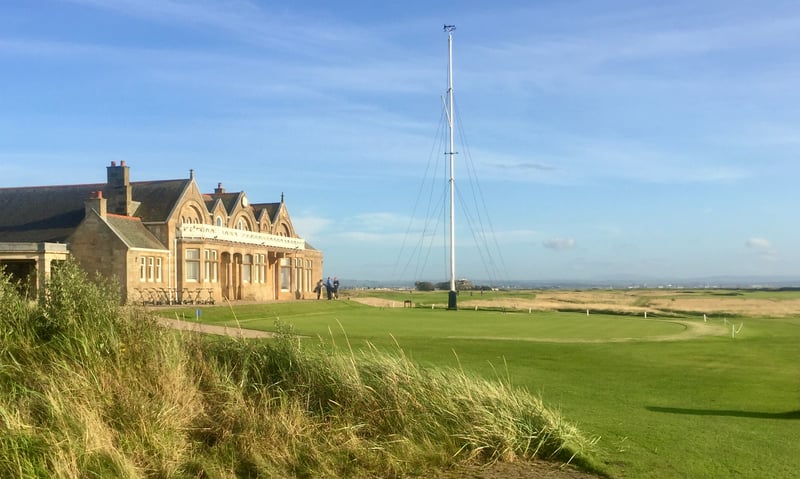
(614, 332)
(567, 327)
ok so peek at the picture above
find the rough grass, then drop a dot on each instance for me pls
(89, 389)
(657, 302)
(702, 406)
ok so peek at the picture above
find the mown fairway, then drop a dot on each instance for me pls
(665, 401)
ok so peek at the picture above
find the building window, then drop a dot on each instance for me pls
(192, 264)
(298, 274)
(142, 269)
(219, 220)
(240, 224)
(257, 268)
(150, 266)
(309, 276)
(263, 267)
(210, 272)
(158, 269)
(246, 270)
(286, 274)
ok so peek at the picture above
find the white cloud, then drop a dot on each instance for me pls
(759, 243)
(369, 237)
(763, 249)
(310, 227)
(559, 244)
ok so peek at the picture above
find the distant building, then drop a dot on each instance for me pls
(163, 241)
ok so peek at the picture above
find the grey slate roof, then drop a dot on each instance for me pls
(51, 213)
(272, 210)
(157, 198)
(228, 201)
(131, 230)
(42, 213)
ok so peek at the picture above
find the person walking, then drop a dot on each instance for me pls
(318, 288)
(329, 288)
(336, 287)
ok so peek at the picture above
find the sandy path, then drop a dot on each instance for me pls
(213, 329)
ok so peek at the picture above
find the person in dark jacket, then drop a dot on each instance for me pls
(318, 288)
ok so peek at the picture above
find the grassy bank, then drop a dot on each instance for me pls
(88, 389)
(693, 406)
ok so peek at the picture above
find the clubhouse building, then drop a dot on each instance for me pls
(163, 241)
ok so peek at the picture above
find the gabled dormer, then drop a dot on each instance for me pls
(279, 221)
(219, 216)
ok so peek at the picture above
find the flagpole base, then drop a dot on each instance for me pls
(452, 300)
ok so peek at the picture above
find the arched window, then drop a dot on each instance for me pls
(192, 214)
(219, 220)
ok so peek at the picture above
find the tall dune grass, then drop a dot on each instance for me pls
(91, 389)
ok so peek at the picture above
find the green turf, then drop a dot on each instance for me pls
(707, 407)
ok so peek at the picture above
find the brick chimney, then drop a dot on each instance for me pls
(118, 188)
(95, 202)
(219, 190)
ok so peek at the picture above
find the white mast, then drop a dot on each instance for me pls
(452, 296)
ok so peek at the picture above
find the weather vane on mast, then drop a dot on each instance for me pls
(449, 28)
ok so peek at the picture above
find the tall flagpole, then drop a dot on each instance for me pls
(453, 295)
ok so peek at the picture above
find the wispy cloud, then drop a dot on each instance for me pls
(590, 159)
(599, 53)
(759, 244)
(525, 166)
(311, 227)
(763, 248)
(559, 244)
(286, 32)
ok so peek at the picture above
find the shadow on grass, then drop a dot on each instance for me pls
(726, 412)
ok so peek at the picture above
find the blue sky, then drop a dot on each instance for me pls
(609, 139)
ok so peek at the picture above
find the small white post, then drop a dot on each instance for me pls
(432, 306)
(529, 310)
(587, 312)
(645, 315)
(705, 320)
(733, 330)
(476, 308)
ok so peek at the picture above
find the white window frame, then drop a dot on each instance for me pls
(247, 268)
(285, 274)
(142, 269)
(210, 266)
(191, 264)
